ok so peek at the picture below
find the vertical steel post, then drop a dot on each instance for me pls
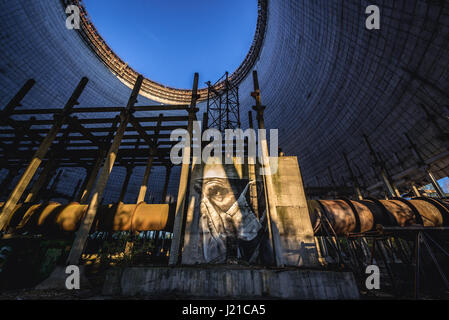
(272, 217)
(254, 199)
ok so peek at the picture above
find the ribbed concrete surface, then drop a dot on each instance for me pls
(325, 79)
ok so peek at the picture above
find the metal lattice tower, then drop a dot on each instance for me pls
(223, 106)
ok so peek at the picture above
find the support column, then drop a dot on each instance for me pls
(254, 199)
(383, 173)
(153, 152)
(46, 172)
(40, 183)
(92, 174)
(272, 217)
(175, 249)
(50, 192)
(129, 172)
(84, 229)
(416, 191)
(146, 177)
(421, 163)
(167, 180)
(435, 183)
(159, 244)
(355, 182)
(75, 190)
(39, 156)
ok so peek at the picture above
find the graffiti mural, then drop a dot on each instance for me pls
(230, 229)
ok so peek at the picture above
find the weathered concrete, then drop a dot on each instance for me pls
(230, 282)
(295, 228)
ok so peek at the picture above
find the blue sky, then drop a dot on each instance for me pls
(168, 40)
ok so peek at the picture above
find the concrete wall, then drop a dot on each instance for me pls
(295, 229)
(230, 283)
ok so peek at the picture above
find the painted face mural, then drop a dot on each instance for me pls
(230, 229)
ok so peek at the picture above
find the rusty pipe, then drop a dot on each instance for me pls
(55, 218)
(351, 216)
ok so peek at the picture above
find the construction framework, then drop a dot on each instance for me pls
(223, 105)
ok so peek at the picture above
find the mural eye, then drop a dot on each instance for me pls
(217, 192)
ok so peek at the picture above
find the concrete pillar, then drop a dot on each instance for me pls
(396, 191)
(353, 178)
(153, 152)
(389, 188)
(422, 163)
(50, 193)
(167, 180)
(144, 186)
(272, 217)
(39, 156)
(159, 245)
(383, 173)
(48, 168)
(84, 229)
(129, 172)
(41, 181)
(92, 173)
(175, 249)
(416, 191)
(254, 199)
(75, 190)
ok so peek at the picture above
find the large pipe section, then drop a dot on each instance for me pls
(55, 218)
(351, 216)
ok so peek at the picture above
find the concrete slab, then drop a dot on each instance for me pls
(230, 282)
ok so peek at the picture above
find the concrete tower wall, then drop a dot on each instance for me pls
(324, 78)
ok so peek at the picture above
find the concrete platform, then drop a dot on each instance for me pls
(230, 282)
